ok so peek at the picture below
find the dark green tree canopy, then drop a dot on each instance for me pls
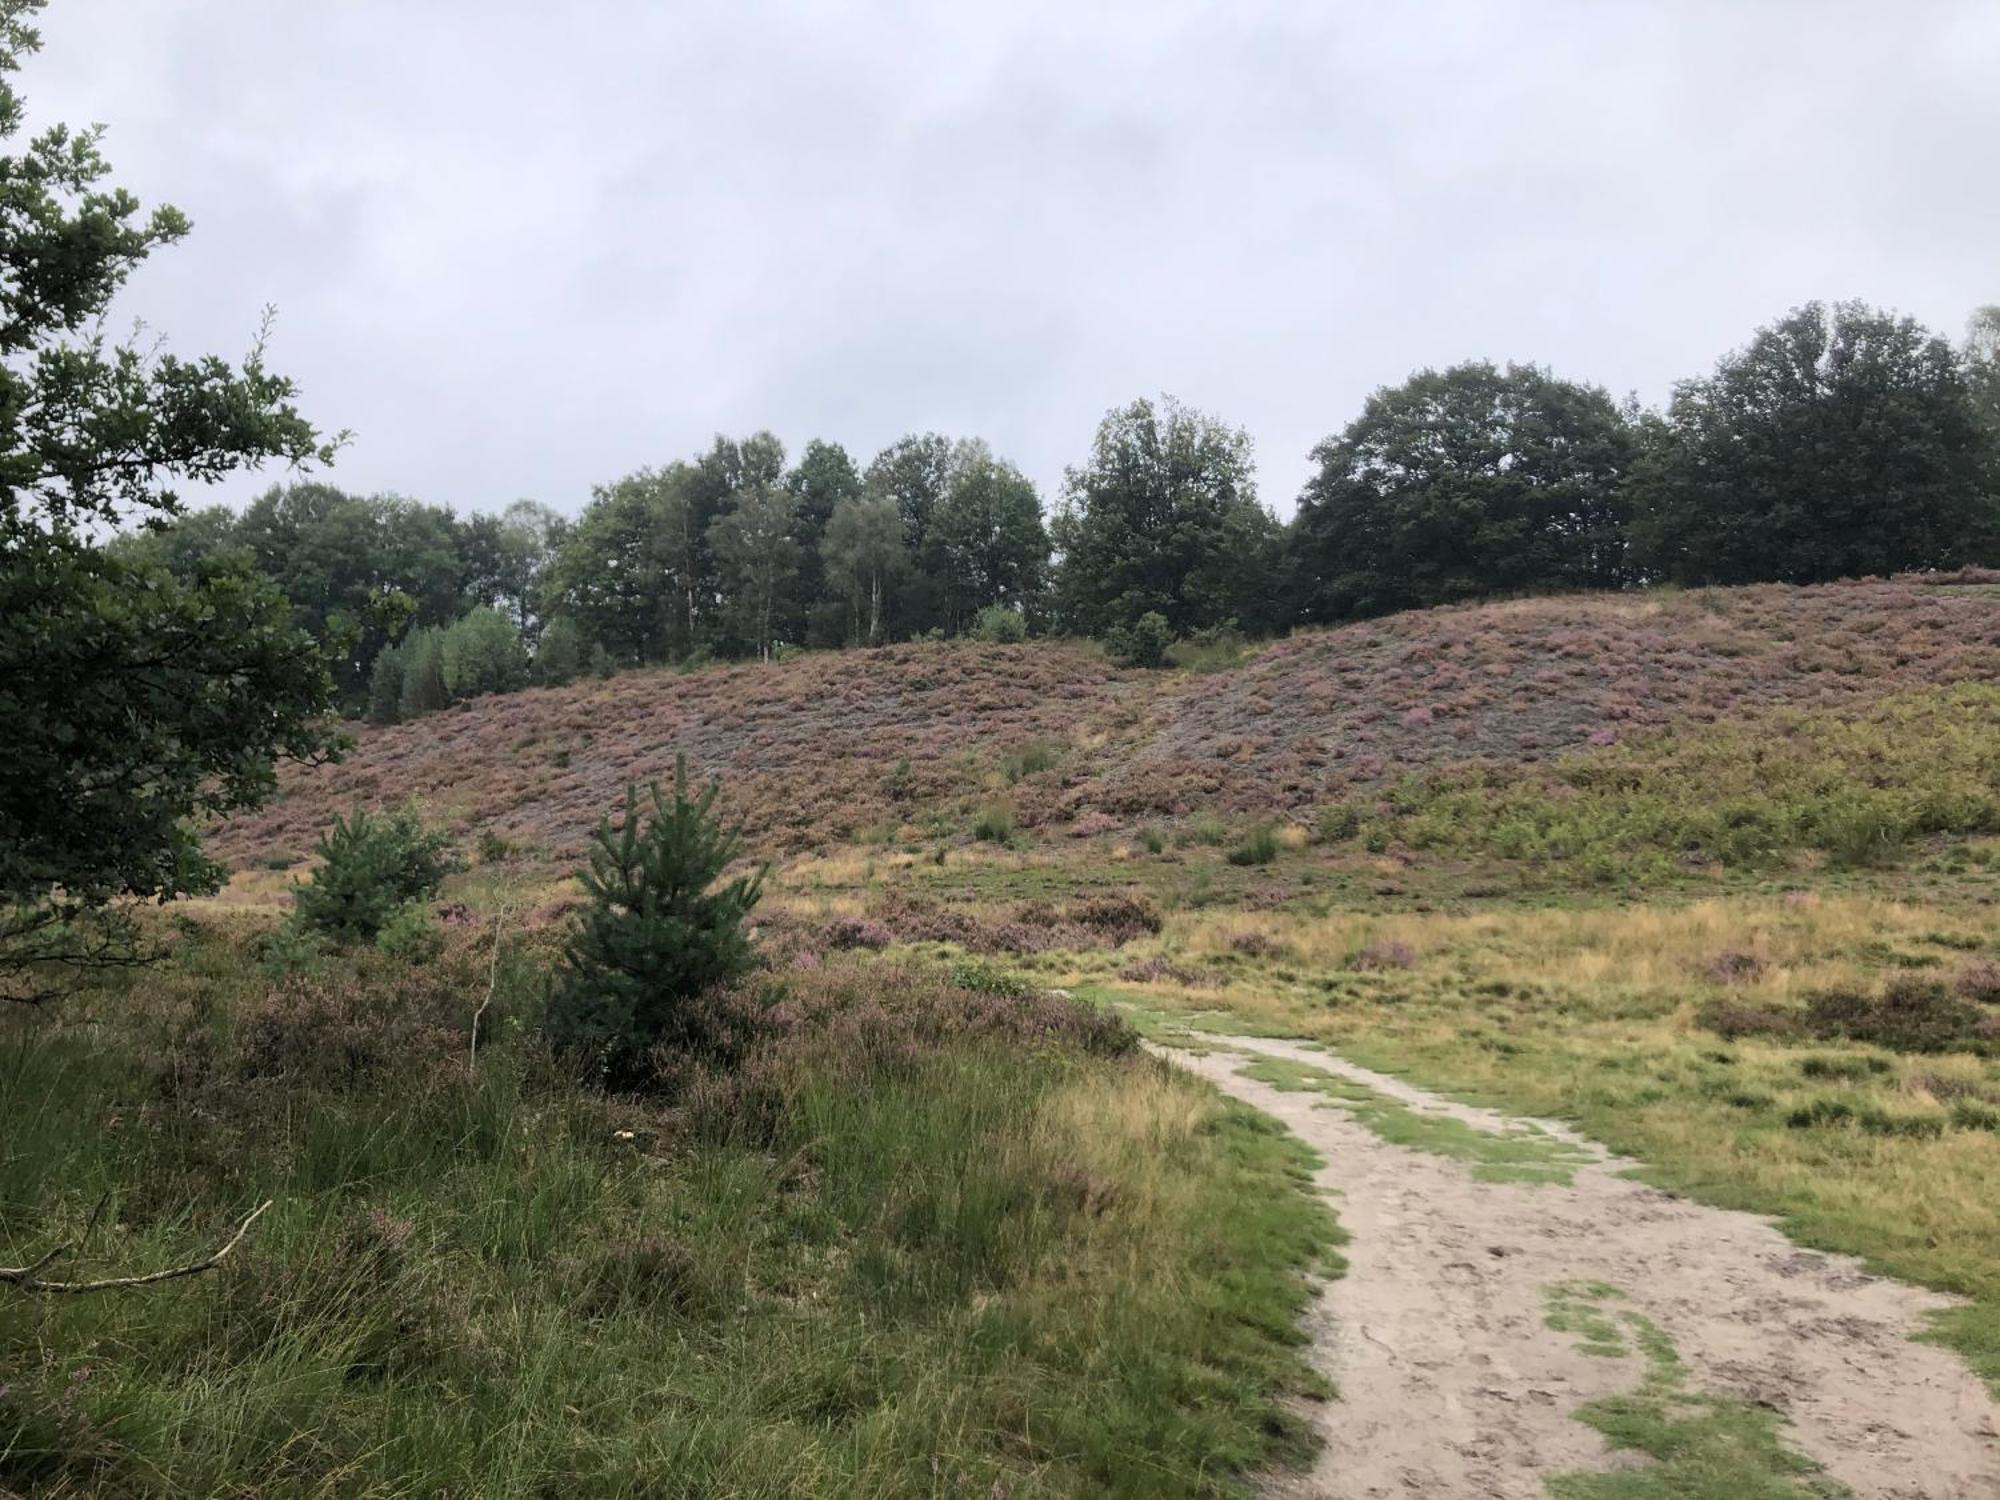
(1164, 518)
(1841, 442)
(1460, 484)
(135, 699)
(986, 542)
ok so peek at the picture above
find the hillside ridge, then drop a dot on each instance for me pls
(826, 747)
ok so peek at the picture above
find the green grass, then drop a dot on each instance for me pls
(1525, 1154)
(1704, 1447)
(974, 1269)
(1753, 791)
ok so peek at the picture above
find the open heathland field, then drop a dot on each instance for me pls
(1609, 990)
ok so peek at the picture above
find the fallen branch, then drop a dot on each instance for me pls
(28, 1278)
(492, 980)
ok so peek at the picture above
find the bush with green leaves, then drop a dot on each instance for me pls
(994, 823)
(482, 653)
(1000, 626)
(423, 689)
(385, 686)
(371, 868)
(412, 933)
(1259, 847)
(662, 927)
(560, 654)
(1143, 643)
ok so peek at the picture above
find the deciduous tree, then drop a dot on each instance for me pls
(135, 701)
(1164, 518)
(1841, 441)
(1461, 484)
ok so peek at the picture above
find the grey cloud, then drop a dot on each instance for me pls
(521, 249)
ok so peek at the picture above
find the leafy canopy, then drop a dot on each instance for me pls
(1464, 483)
(1164, 519)
(1841, 442)
(135, 700)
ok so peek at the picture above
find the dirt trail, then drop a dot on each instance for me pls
(1453, 1385)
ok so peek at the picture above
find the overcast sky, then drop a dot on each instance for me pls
(521, 248)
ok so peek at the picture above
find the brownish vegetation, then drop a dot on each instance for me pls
(838, 747)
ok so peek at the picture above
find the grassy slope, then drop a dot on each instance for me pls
(1591, 1016)
(981, 1268)
(1531, 980)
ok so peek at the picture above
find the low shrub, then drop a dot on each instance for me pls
(370, 869)
(1000, 626)
(1159, 969)
(1143, 643)
(1029, 759)
(1979, 982)
(1384, 955)
(1118, 919)
(1259, 847)
(994, 823)
(1911, 1014)
(1732, 1019)
(358, 1031)
(1733, 966)
(855, 932)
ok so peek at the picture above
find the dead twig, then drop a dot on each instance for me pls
(492, 981)
(29, 1277)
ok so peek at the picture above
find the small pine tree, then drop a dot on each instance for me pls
(659, 931)
(370, 869)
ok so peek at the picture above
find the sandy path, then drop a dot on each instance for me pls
(1451, 1384)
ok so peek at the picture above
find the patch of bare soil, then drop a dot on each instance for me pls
(1452, 1384)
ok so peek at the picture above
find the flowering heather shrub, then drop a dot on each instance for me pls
(1035, 927)
(1980, 982)
(1254, 944)
(353, 1031)
(1159, 969)
(855, 932)
(1385, 955)
(1118, 919)
(1733, 966)
(1911, 1014)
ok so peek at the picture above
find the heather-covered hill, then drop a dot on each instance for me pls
(1517, 681)
(827, 747)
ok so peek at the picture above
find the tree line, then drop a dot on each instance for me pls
(156, 661)
(1839, 441)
